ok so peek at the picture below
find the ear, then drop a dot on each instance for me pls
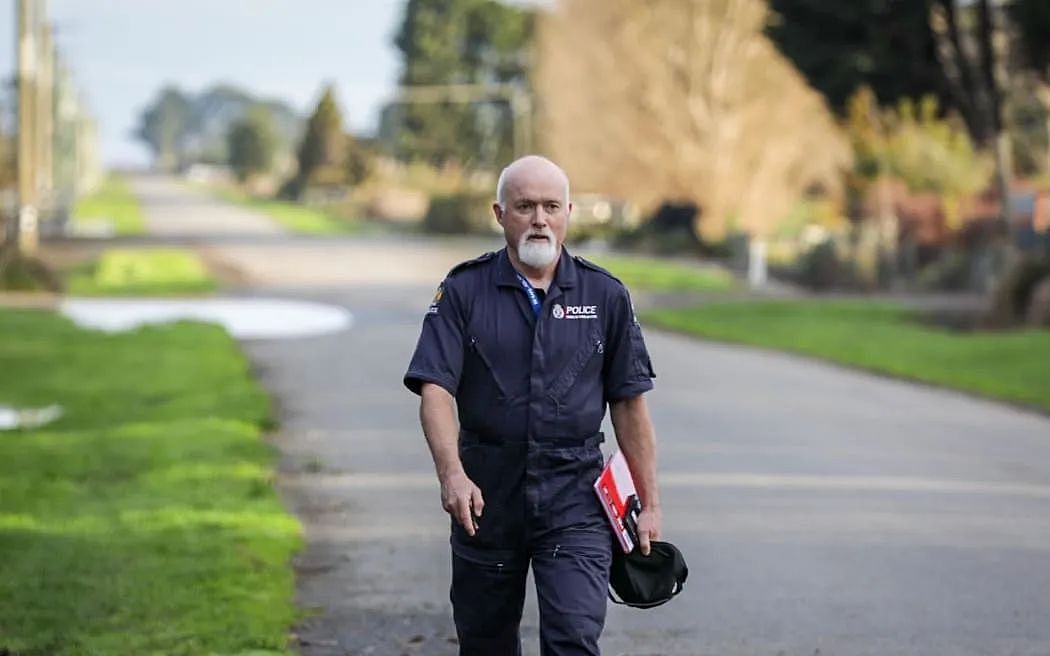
(497, 209)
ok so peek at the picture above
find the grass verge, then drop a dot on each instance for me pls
(657, 275)
(145, 272)
(144, 520)
(114, 204)
(881, 337)
(298, 218)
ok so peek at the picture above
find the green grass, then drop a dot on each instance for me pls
(884, 338)
(657, 275)
(147, 272)
(298, 218)
(144, 520)
(113, 203)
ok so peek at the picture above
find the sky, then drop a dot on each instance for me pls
(122, 52)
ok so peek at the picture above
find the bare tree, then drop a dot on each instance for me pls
(970, 44)
(684, 100)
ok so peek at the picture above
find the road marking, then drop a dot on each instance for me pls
(754, 481)
(852, 484)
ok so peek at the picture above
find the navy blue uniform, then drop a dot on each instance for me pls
(531, 393)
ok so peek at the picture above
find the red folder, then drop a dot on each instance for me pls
(614, 487)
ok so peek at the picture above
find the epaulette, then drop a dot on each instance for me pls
(469, 263)
(594, 267)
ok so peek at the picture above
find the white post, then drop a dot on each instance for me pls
(757, 271)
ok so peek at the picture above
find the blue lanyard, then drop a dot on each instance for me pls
(534, 299)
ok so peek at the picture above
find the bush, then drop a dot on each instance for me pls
(459, 213)
(953, 271)
(19, 273)
(823, 268)
(670, 230)
(1038, 314)
(1014, 293)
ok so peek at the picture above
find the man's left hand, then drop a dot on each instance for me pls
(649, 521)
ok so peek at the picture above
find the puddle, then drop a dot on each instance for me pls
(244, 318)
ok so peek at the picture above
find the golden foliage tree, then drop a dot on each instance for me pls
(684, 100)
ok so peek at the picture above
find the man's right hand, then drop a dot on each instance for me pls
(462, 500)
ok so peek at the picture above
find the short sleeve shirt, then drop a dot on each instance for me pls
(518, 376)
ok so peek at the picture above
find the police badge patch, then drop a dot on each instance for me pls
(433, 309)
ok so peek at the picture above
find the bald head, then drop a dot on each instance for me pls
(531, 169)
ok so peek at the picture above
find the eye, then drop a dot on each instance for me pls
(552, 207)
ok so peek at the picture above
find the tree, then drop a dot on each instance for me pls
(358, 159)
(1032, 21)
(323, 150)
(685, 100)
(842, 46)
(445, 42)
(164, 126)
(1032, 18)
(182, 128)
(972, 61)
(251, 145)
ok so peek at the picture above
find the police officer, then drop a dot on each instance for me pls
(527, 345)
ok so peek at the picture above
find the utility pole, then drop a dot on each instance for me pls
(26, 239)
(45, 115)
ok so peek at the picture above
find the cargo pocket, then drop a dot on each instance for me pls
(594, 348)
(498, 471)
(479, 351)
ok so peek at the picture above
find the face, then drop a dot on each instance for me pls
(534, 215)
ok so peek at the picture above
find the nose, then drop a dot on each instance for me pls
(539, 218)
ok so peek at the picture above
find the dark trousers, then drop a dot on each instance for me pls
(571, 569)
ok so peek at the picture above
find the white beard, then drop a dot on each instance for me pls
(537, 254)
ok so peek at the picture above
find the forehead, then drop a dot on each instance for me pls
(539, 184)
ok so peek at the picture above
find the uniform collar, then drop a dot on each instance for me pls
(564, 276)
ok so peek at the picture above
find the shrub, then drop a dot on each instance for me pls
(1012, 296)
(19, 273)
(1038, 314)
(822, 268)
(952, 271)
(459, 213)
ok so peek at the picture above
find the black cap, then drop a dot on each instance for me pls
(647, 581)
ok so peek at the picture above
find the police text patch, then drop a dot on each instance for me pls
(574, 311)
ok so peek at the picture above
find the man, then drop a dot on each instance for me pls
(529, 344)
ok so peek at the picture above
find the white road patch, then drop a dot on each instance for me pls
(243, 318)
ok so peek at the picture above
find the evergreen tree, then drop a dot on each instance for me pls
(164, 127)
(323, 150)
(1032, 20)
(842, 46)
(251, 145)
(444, 42)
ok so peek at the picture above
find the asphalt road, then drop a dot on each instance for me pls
(822, 511)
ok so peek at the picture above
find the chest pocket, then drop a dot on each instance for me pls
(482, 394)
(588, 356)
(477, 350)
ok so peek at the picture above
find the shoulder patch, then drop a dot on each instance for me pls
(469, 263)
(438, 295)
